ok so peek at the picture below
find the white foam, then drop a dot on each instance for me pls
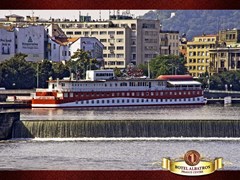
(132, 139)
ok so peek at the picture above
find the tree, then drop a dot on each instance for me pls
(166, 65)
(60, 70)
(80, 62)
(44, 72)
(17, 73)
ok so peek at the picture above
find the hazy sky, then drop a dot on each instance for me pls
(69, 14)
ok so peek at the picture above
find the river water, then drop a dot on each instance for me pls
(118, 153)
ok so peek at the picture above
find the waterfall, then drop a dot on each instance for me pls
(125, 128)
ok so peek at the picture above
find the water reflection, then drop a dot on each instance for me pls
(134, 113)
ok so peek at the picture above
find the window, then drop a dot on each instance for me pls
(103, 40)
(103, 32)
(120, 32)
(120, 48)
(78, 32)
(69, 32)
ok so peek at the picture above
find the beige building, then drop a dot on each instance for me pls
(224, 59)
(125, 40)
(169, 42)
(229, 37)
(198, 57)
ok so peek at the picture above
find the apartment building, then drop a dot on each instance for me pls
(169, 42)
(30, 40)
(224, 59)
(198, 57)
(7, 43)
(126, 40)
(229, 37)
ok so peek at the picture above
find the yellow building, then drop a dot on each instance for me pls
(224, 59)
(198, 57)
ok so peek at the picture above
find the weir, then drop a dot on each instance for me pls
(125, 128)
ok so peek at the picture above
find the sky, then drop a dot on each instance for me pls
(68, 14)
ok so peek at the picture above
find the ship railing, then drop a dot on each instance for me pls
(44, 97)
(43, 90)
(131, 89)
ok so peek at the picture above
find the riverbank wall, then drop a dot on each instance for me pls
(6, 124)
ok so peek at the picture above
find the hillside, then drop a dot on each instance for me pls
(196, 22)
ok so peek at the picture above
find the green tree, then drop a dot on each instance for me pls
(166, 65)
(60, 70)
(44, 71)
(80, 62)
(17, 73)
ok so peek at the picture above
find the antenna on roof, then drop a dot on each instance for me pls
(100, 15)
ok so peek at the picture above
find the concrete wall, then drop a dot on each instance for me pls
(6, 124)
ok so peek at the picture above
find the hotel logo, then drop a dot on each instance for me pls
(192, 164)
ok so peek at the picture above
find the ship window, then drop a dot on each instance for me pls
(152, 94)
(112, 94)
(123, 101)
(108, 101)
(103, 101)
(180, 93)
(142, 93)
(97, 101)
(170, 93)
(128, 94)
(193, 92)
(113, 101)
(87, 101)
(197, 92)
(175, 93)
(147, 94)
(81, 102)
(161, 93)
(137, 93)
(127, 100)
(92, 102)
(137, 100)
(198, 99)
(132, 100)
(142, 100)
(63, 84)
(156, 93)
(189, 93)
(115, 84)
(65, 95)
(184, 92)
(146, 100)
(133, 94)
(151, 100)
(193, 99)
(117, 101)
(123, 94)
(71, 94)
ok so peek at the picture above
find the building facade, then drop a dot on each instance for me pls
(229, 37)
(198, 57)
(31, 40)
(125, 40)
(169, 42)
(7, 44)
(224, 59)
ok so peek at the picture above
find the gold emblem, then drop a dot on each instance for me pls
(192, 164)
(192, 158)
